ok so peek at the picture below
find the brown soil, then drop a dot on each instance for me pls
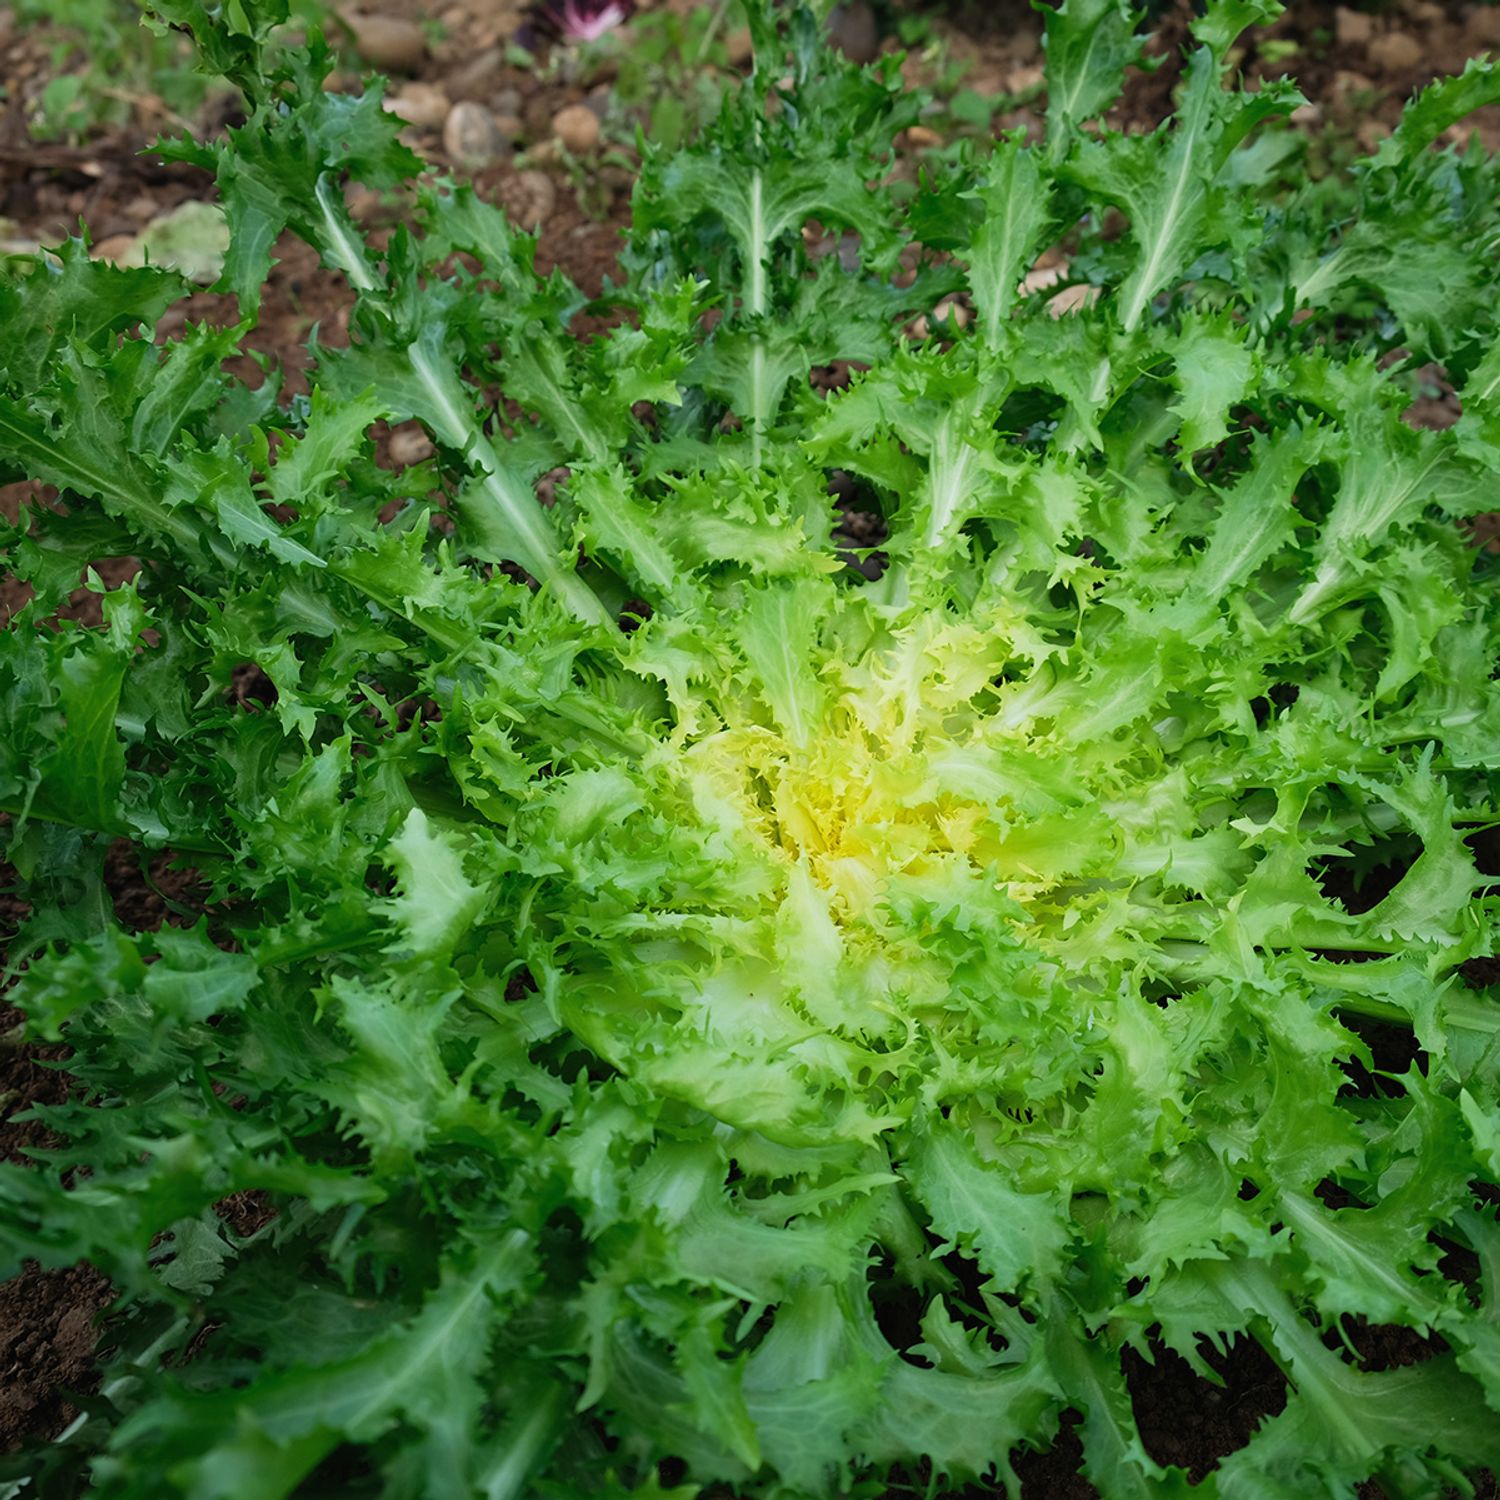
(1356, 70)
(47, 1339)
(47, 1333)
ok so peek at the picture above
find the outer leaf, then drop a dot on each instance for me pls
(1016, 1236)
(1016, 215)
(1089, 44)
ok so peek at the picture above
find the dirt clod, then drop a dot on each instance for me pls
(1483, 26)
(1347, 84)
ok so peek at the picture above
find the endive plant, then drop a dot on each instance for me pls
(680, 997)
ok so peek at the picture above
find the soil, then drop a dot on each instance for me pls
(1356, 69)
(47, 1339)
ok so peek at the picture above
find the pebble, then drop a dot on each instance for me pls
(853, 30)
(948, 309)
(1353, 28)
(1346, 83)
(528, 198)
(364, 204)
(739, 49)
(420, 104)
(1396, 50)
(477, 78)
(410, 445)
(921, 137)
(141, 208)
(472, 138)
(113, 248)
(1483, 26)
(1039, 278)
(1072, 299)
(577, 127)
(1025, 44)
(387, 41)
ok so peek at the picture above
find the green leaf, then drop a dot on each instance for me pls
(777, 637)
(1435, 109)
(1214, 372)
(1258, 517)
(437, 903)
(1089, 44)
(420, 1373)
(1016, 1236)
(1016, 215)
(1174, 196)
(81, 781)
(75, 300)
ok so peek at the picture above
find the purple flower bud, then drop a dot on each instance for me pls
(580, 20)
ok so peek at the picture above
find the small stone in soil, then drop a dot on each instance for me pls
(1071, 299)
(419, 104)
(472, 138)
(1483, 26)
(1397, 51)
(853, 30)
(476, 79)
(528, 198)
(364, 204)
(387, 41)
(410, 445)
(577, 127)
(1025, 44)
(1353, 28)
(113, 248)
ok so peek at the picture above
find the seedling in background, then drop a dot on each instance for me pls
(671, 70)
(109, 67)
